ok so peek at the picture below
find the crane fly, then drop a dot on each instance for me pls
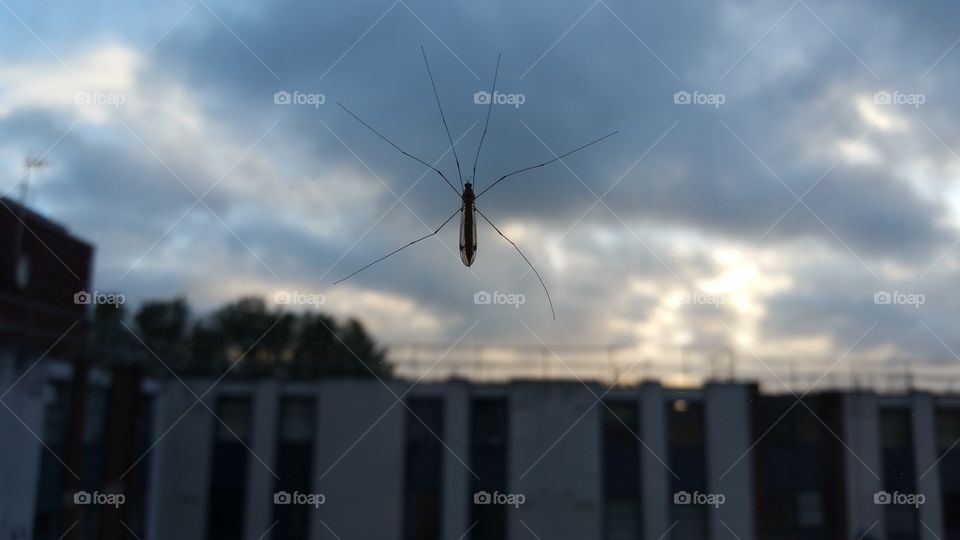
(468, 210)
(468, 226)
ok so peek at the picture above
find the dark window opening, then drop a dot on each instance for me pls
(622, 509)
(423, 472)
(228, 478)
(294, 466)
(793, 468)
(488, 459)
(688, 459)
(896, 447)
(948, 433)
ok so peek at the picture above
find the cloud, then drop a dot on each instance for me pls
(696, 199)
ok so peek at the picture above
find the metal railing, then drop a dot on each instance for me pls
(681, 367)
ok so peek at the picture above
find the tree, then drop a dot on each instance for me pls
(164, 328)
(241, 339)
(324, 348)
(366, 350)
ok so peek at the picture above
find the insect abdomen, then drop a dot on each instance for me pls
(468, 228)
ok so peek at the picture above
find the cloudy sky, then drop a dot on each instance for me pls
(779, 166)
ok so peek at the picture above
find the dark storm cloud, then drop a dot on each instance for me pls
(602, 78)
(302, 199)
(115, 184)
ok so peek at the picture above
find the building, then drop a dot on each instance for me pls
(399, 460)
(104, 453)
(42, 269)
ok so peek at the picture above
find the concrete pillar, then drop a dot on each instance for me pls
(457, 495)
(656, 476)
(182, 457)
(153, 507)
(927, 474)
(20, 451)
(261, 480)
(728, 438)
(861, 434)
(359, 461)
(554, 461)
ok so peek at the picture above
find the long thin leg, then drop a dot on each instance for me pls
(485, 218)
(595, 141)
(487, 123)
(402, 151)
(442, 117)
(402, 248)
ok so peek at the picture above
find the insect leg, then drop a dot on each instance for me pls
(402, 248)
(595, 141)
(485, 218)
(402, 151)
(442, 117)
(487, 123)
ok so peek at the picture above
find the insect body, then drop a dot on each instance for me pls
(468, 210)
(468, 227)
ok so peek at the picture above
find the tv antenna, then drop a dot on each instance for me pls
(30, 164)
(22, 263)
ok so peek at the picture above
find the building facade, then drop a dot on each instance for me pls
(526, 459)
(45, 275)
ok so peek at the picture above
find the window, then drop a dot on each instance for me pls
(896, 447)
(948, 433)
(423, 472)
(228, 478)
(488, 459)
(621, 471)
(796, 460)
(294, 465)
(688, 459)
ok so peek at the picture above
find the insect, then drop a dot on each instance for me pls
(468, 210)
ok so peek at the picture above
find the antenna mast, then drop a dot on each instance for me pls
(30, 164)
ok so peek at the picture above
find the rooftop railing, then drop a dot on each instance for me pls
(681, 367)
